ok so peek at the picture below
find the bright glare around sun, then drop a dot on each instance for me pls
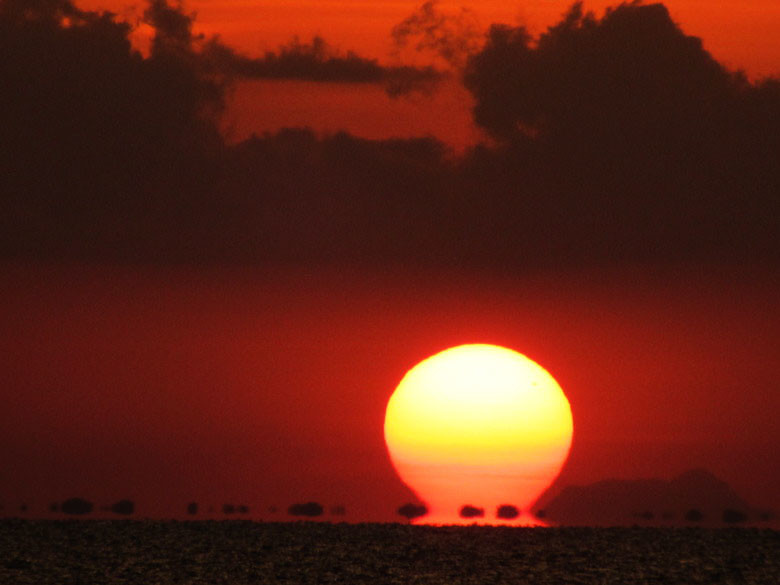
(478, 425)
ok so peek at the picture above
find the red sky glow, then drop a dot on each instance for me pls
(231, 385)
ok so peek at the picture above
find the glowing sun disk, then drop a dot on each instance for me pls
(477, 423)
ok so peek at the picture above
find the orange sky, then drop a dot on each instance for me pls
(741, 34)
(364, 110)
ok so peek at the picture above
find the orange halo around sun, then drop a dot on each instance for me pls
(478, 425)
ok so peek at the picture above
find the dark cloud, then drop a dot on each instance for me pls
(632, 76)
(318, 61)
(314, 61)
(615, 139)
(624, 131)
(97, 139)
(172, 27)
(453, 37)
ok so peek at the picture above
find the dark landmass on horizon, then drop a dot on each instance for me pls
(694, 498)
(614, 139)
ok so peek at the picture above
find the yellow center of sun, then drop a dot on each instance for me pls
(480, 425)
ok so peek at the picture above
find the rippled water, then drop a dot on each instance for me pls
(43, 552)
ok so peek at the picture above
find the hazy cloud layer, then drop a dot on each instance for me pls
(616, 139)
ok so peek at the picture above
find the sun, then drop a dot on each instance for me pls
(480, 426)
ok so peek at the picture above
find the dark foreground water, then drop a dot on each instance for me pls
(236, 553)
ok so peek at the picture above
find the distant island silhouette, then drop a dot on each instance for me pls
(695, 497)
